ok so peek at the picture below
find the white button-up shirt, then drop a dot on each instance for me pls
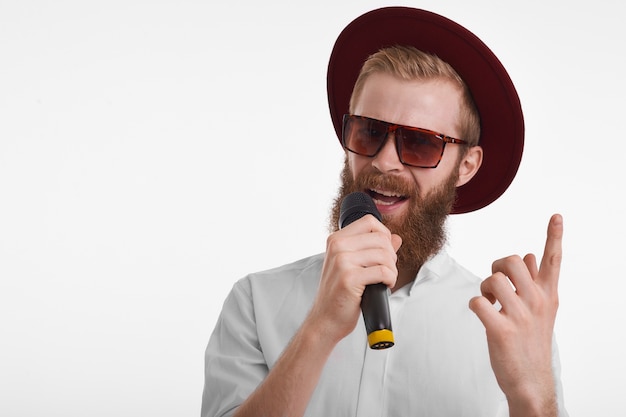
(439, 365)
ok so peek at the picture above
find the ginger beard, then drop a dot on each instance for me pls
(422, 228)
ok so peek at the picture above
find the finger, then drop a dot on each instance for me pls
(378, 274)
(517, 271)
(531, 263)
(342, 271)
(396, 242)
(550, 267)
(498, 288)
(368, 257)
(373, 240)
(347, 241)
(365, 224)
(485, 311)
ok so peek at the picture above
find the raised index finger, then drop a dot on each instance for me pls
(552, 254)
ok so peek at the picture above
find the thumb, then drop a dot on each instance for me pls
(396, 242)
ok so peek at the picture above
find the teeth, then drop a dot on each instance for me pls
(383, 203)
(388, 193)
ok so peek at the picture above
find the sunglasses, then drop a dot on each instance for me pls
(416, 147)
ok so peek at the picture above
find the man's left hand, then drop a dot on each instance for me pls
(519, 334)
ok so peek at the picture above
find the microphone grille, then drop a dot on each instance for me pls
(356, 205)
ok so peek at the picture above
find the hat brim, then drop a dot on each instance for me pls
(502, 121)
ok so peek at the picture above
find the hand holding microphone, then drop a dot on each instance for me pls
(375, 299)
(357, 256)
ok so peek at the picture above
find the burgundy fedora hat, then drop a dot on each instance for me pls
(502, 121)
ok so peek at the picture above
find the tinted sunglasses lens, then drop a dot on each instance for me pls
(363, 136)
(420, 149)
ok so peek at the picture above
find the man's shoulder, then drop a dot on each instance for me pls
(304, 265)
(302, 274)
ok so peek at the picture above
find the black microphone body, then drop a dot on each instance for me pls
(375, 299)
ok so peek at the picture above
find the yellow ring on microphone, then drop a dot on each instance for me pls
(380, 339)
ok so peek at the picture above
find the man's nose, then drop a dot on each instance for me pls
(387, 159)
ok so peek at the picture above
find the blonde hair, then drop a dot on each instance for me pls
(409, 63)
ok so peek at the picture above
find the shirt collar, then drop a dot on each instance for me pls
(432, 269)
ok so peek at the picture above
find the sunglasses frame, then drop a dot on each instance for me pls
(392, 127)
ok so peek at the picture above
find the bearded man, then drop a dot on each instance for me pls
(424, 137)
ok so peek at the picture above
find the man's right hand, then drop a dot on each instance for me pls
(360, 254)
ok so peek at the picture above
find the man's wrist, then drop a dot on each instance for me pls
(533, 404)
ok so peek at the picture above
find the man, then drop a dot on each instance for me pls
(432, 126)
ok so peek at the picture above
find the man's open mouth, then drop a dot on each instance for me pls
(386, 198)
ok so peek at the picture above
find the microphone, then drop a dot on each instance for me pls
(375, 300)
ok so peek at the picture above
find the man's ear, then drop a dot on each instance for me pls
(470, 164)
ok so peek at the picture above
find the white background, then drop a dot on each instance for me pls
(154, 152)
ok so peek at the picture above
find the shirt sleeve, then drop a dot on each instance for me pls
(234, 362)
(556, 370)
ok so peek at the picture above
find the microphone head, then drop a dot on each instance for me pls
(356, 205)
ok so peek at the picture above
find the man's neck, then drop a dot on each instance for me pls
(405, 276)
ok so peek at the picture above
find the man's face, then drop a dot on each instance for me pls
(414, 202)
(433, 105)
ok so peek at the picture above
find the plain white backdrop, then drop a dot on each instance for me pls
(154, 152)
